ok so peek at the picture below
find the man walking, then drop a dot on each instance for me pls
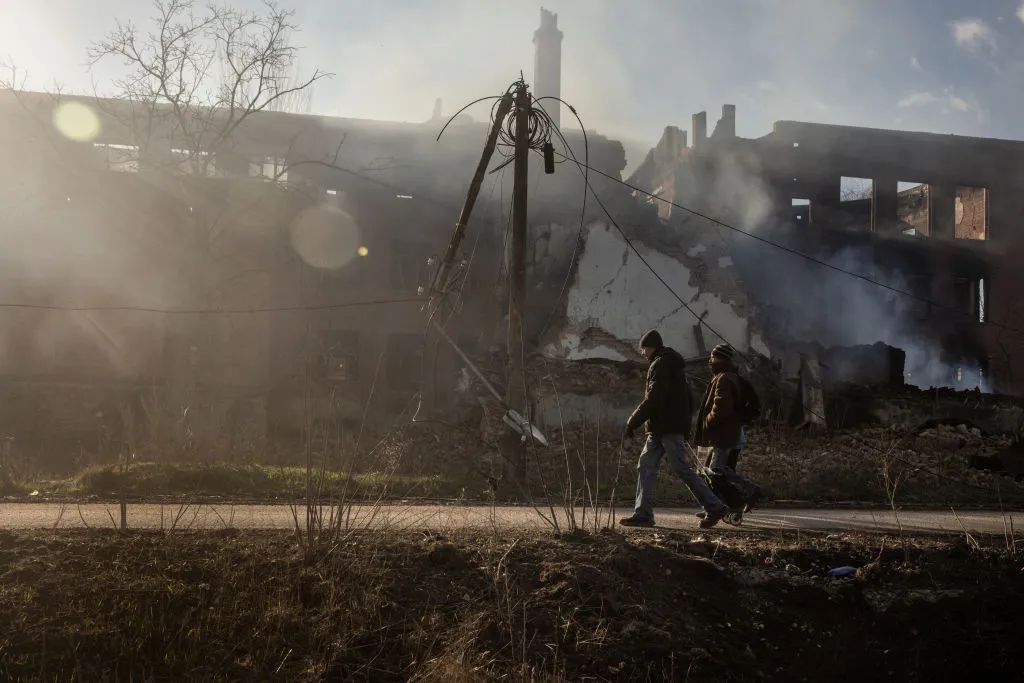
(721, 420)
(667, 410)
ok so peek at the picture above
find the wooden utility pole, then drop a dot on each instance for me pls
(515, 392)
(439, 286)
(440, 283)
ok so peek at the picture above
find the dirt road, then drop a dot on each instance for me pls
(157, 516)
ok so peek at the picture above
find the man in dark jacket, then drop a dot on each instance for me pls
(719, 423)
(666, 409)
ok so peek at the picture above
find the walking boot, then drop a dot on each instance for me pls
(637, 520)
(711, 519)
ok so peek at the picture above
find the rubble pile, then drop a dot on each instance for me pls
(428, 448)
(586, 376)
(932, 466)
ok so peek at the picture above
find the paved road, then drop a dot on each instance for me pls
(441, 517)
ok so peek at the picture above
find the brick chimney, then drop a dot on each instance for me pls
(547, 62)
(700, 128)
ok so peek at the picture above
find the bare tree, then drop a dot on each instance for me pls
(191, 81)
(198, 75)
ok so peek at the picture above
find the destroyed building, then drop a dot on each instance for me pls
(239, 295)
(934, 216)
(314, 234)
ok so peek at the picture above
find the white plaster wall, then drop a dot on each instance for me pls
(614, 291)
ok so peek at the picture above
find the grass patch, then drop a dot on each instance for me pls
(228, 481)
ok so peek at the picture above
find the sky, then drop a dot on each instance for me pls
(630, 67)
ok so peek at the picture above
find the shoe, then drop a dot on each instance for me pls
(701, 515)
(753, 499)
(636, 520)
(711, 520)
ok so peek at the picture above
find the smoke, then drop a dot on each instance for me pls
(740, 193)
(802, 301)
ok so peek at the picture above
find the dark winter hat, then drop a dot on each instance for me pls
(724, 351)
(651, 340)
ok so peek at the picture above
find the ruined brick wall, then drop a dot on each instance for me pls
(971, 217)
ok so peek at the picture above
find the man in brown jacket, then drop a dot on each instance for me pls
(719, 424)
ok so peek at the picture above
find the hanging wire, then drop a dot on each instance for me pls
(790, 250)
(750, 362)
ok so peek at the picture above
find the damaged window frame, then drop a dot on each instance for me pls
(119, 158)
(961, 232)
(269, 168)
(801, 216)
(339, 356)
(194, 162)
(906, 188)
(977, 288)
(857, 189)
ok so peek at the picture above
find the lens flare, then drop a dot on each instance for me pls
(76, 121)
(362, 251)
(325, 237)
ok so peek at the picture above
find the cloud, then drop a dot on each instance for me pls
(1020, 11)
(917, 99)
(915, 64)
(973, 34)
(945, 102)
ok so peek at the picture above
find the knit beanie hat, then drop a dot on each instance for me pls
(724, 351)
(651, 340)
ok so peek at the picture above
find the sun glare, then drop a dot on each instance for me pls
(76, 121)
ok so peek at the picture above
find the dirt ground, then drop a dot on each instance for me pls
(645, 605)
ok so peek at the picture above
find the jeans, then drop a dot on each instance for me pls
(647, 471)
(723, 461)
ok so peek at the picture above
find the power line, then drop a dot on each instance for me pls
(583, 205)
(791, 250)
(212, 311)
(725, 340)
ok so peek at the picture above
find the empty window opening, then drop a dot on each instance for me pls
(194, 162)
(980, 300)
(339, 355)
(912, 208)
(119, 158)
(270, 168)
(972, 295)
(971, 217)
(801, 210)
(856, 196)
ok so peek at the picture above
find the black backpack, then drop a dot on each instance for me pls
(749, 408)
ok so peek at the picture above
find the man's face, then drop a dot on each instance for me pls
(715, 363)
(648, 352)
